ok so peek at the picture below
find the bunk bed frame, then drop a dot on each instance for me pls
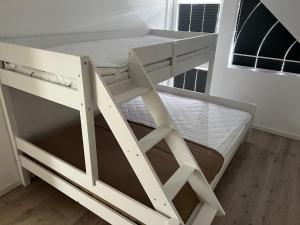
(174, 58)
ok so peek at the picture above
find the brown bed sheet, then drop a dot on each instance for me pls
(115, 170)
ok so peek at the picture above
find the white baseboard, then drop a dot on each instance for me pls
(9, 188)
(277, 132)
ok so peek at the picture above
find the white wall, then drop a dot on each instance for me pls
(287, 12)
(39, 17)
(277, 96)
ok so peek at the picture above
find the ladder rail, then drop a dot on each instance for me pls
(130, 146)
(161, 196)
(177, 144)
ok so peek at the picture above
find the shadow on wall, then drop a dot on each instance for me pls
(42, 17)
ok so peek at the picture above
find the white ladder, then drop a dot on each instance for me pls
(161, 195)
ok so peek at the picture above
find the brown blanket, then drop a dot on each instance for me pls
(115, 170)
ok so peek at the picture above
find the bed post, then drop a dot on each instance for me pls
(12, 130)
(249, 136)
(210, 67)
(210, 72)
(87, 121)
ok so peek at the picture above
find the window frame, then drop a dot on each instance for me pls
(230, 64)
(173, 25)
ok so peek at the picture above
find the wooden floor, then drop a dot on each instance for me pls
(262, 184)
(260, 187)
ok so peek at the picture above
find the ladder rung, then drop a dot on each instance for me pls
(178, 180)
(206, 215)
(131, 94)
(155, 136)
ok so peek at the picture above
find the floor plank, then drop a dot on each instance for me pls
(260, 187)
(40, 204)
(268, 191)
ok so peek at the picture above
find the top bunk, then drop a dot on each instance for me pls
(162, 54)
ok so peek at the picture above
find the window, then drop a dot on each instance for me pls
(196, 16)
(261, 41)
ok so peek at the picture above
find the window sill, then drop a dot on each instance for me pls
(259, 70)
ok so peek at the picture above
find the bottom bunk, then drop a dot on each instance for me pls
(213, 129)
(213, 125)
(115, 170)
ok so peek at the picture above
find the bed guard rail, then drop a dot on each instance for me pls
(164, 61)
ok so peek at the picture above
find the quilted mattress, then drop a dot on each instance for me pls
(205, 123)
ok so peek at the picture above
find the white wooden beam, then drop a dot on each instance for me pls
(76, 194)
(154, 137)
(87, 120)
(247, 107)
(52, 62)
(51, 161)
(44, 89)
(12, 130)
(178, 180)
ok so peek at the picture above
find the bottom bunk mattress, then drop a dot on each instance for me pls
(115, 170)
(205, 123)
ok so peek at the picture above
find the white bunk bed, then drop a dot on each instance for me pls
(83, 83)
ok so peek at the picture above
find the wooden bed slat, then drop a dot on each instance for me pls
(165, 73)
(44, 89)
(52, 62)
(129, 95)
(150, 140)
(155, 53)
(76, 194)
(196, 43)
(51, 161)
(178, 180)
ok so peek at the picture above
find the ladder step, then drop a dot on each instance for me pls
(206, 215)
(155, 136)
(178, 180)
(131, 94)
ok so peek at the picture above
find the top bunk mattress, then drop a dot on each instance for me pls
(110, 57)
(205, 123)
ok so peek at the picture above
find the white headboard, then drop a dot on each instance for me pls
(21, 18)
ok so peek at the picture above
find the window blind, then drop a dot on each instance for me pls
(193, 80)
(196, 18)
(261, 41)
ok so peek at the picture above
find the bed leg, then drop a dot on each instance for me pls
(13, 132)
(249, 136)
